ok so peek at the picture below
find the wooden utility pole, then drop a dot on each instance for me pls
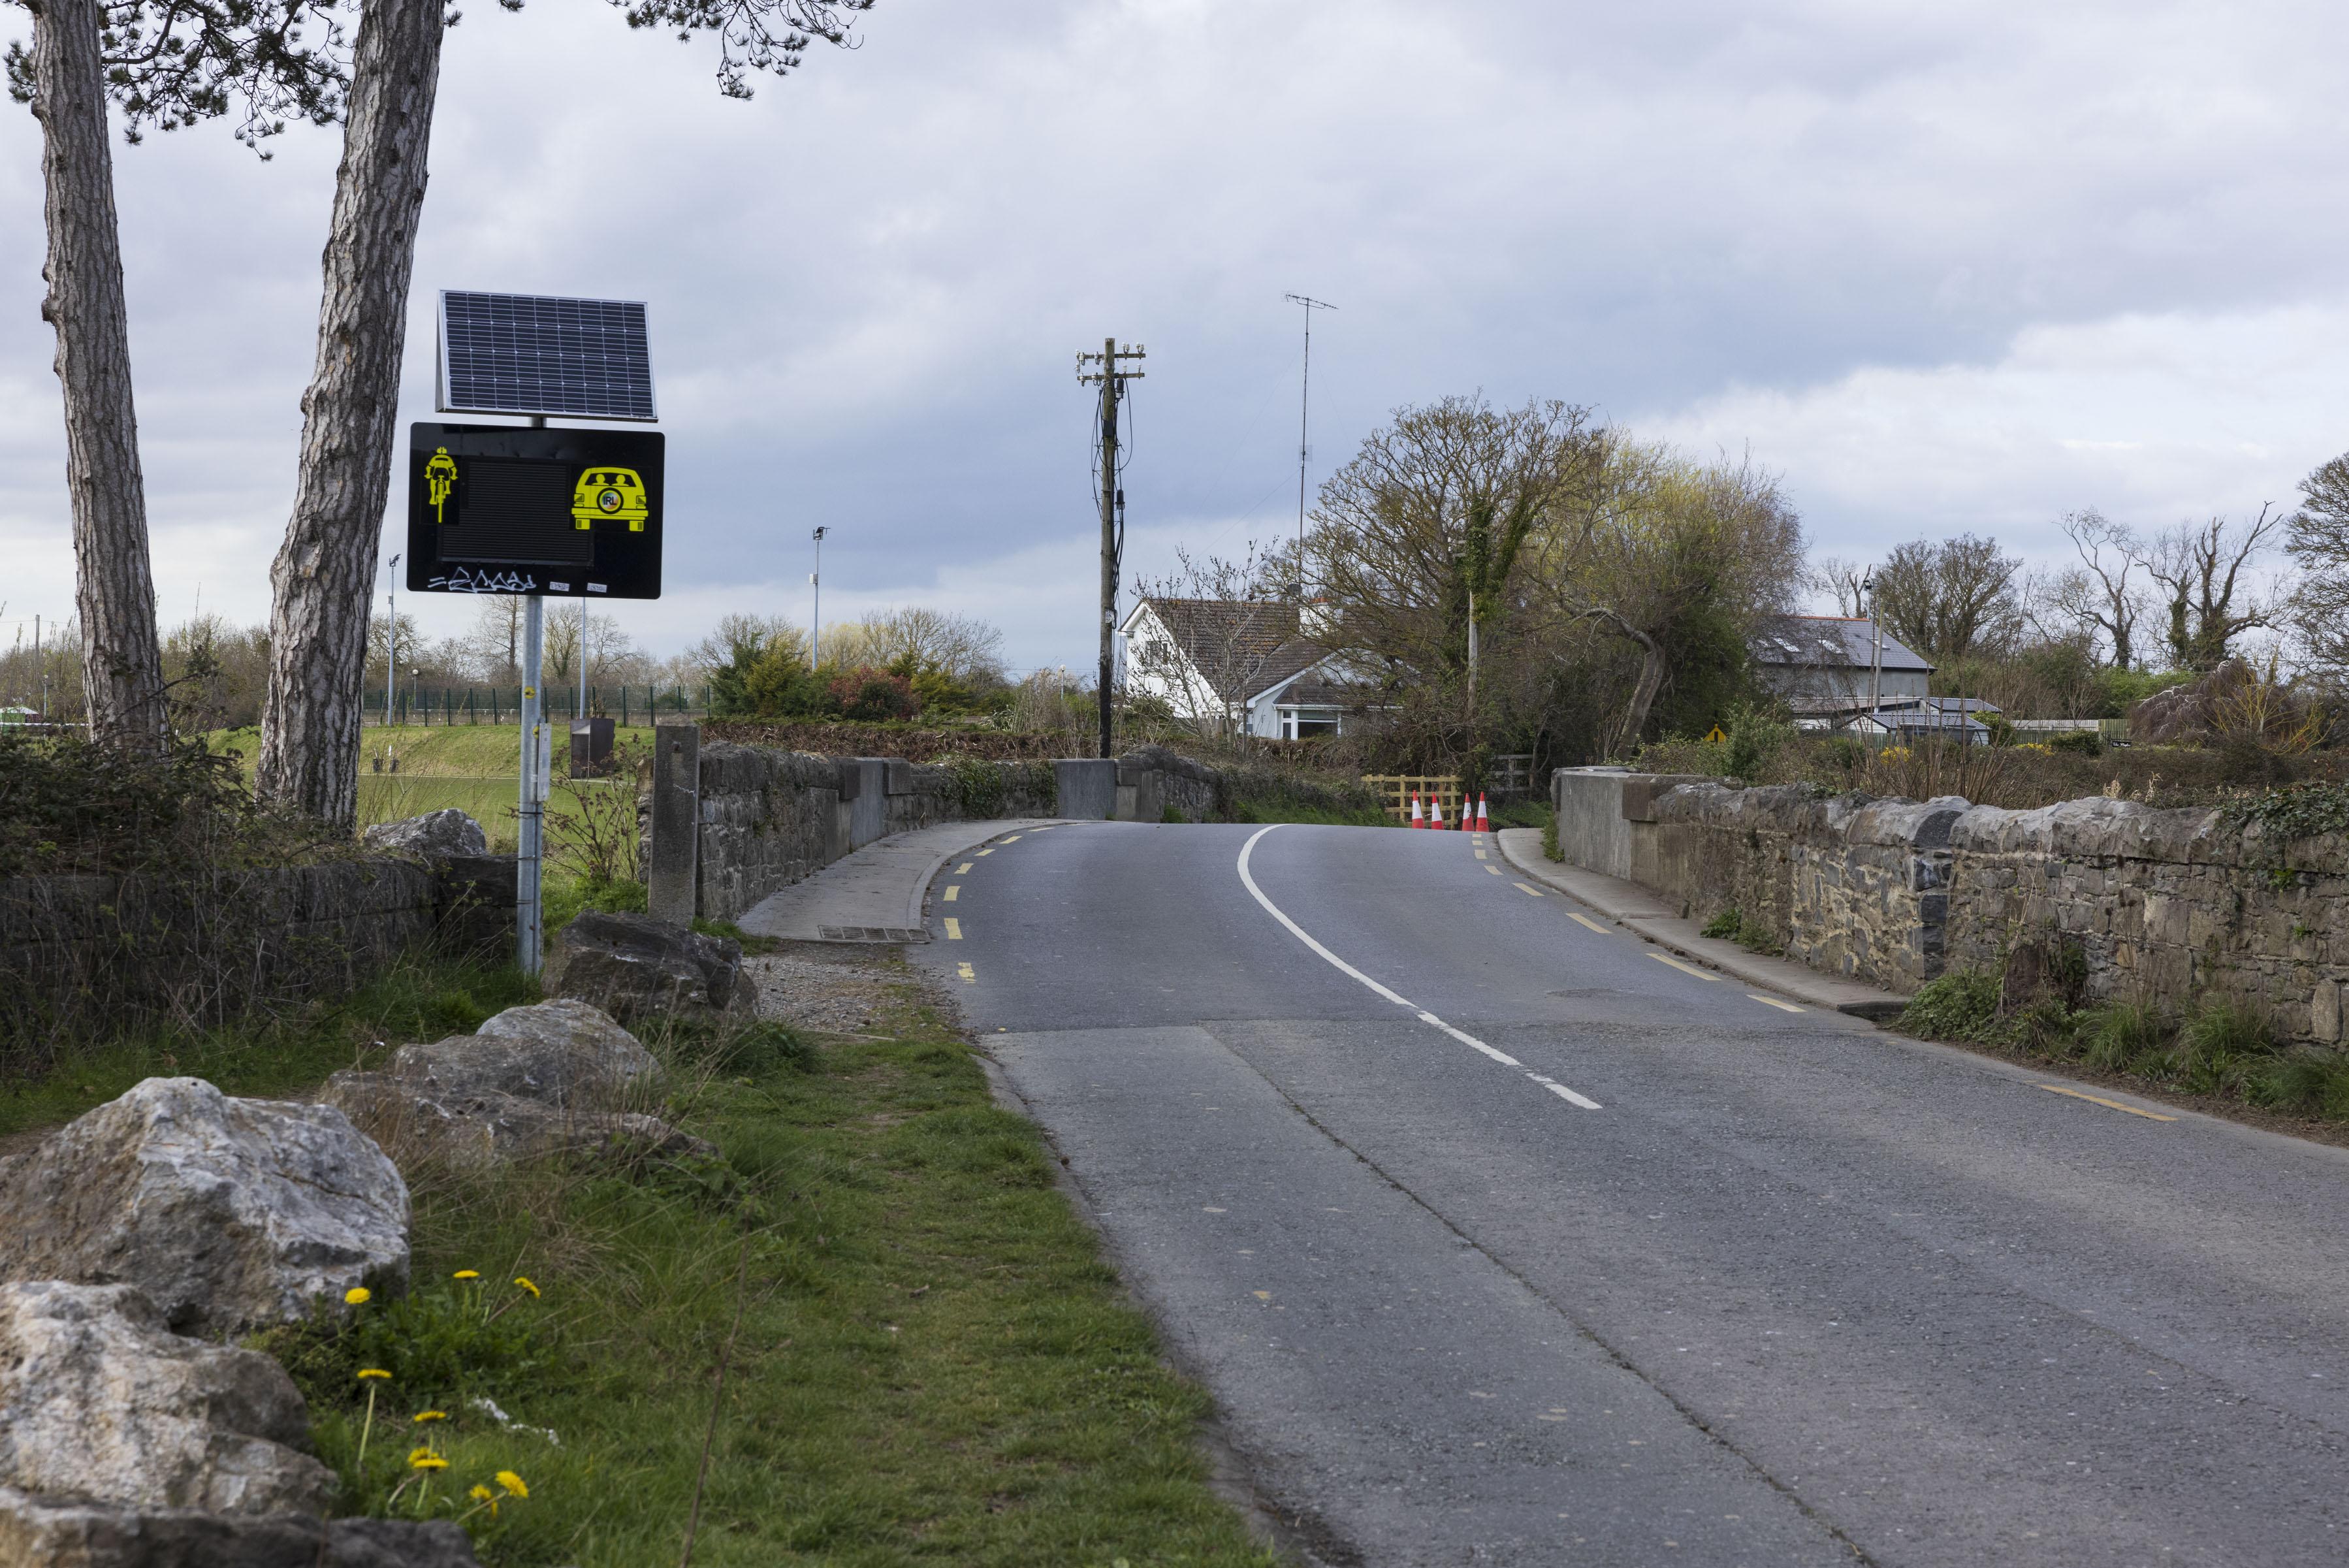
(1111, 381)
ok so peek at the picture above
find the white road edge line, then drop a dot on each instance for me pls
(1503, 1058)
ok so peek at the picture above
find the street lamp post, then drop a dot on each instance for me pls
(816, 614)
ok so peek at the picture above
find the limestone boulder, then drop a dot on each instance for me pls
(490, 1128)
(53, 1531)
(98, 1398)
(227, 1213)
(435, 835)
(559, 1078)
(637, 968)
(562, 1053)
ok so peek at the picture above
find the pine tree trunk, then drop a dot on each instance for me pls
(123, 667)
(324, 575)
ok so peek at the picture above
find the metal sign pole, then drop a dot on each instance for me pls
(532, 806)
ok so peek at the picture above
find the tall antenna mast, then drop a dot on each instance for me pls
(1304, 409)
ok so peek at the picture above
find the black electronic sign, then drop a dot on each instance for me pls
(509, 509)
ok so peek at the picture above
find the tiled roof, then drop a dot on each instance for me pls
(1827, 641)
(1235, 644)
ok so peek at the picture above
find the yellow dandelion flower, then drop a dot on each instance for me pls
(466, 1274)
(513, 1483)
(431, 1415)
(358, 1295)
(526, 1285)
(368, 1372)
(482, 1493)
(426, 1459)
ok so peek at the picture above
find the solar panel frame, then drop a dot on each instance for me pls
(540, 355)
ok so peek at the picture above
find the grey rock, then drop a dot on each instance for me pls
(558, 1077)
(560, 1053)
(228, 1213)
(437, 835)
(53, 1531)
(98, 1398)
(490, 1128)
(637, 968)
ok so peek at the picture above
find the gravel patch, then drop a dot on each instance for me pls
(833, 988)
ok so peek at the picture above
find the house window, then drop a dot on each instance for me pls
(1297, 726)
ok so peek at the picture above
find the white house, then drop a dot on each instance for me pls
(1822, 665)
(1243, 663)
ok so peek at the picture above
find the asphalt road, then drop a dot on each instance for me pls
(1509, 1242)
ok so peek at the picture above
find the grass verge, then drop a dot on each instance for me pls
(2222, 1051)
(419, 998)
(927, 1359)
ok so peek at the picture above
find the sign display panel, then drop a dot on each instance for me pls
(503, 509)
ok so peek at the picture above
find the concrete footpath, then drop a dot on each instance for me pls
(874, 894)
(1644, 914)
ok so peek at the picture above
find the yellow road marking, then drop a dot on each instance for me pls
(1528, 892)
(1683, 968)
(1497, 871)
(1046, 829)
(987, 852)
(963, 869)
(2100, 1100)
(1010, 838)
(954, 891)
(954, 929)
(1480, 854)
(1773, 1002)
(1263, 1295)
(962, 972)
(1589, 921)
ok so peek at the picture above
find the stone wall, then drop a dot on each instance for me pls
(770, 817)
(2171, 906)
(202, 948)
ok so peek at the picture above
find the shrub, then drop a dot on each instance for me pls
(2079, 743)
(1959, 1005)
(872, 695)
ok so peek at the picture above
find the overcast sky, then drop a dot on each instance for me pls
(1951, 268)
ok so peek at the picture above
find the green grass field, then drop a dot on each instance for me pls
(474, 767)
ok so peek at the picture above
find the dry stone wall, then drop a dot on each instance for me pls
(2172, 906)
(78, 947)
(770, 817)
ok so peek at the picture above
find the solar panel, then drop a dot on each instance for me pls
(528, 354)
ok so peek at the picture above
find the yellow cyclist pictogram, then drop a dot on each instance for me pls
(616, 493)
(440, 479)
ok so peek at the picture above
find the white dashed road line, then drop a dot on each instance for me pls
(1299, 932)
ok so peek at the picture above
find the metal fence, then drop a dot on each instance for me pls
(503, 704)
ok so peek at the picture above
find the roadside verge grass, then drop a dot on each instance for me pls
(927, 1360)
(420, 997)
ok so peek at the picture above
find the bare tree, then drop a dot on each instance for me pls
(1949, 599)
(960, 646)
(324, 571)
(2097, 596)
(1418, 537)
(168, 63)
(2198, 568)
(1212, 631)
(1840, 579)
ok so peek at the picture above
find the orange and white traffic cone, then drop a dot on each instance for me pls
(1416, 820)
(1436, 811)
(1484, 815)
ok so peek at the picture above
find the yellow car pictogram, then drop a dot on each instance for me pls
(610, 494)
(440, 479)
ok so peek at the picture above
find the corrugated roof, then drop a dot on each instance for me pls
(1829, 641)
